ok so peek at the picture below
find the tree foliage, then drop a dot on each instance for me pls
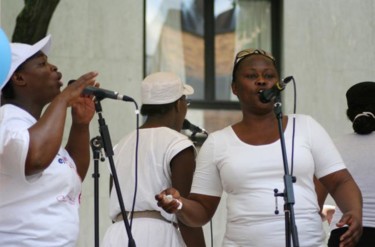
(33, 21)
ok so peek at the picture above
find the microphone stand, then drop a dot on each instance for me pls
(288, 194)
(107, 144)
(96, 146)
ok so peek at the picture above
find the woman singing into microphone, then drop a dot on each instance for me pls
(246, 162)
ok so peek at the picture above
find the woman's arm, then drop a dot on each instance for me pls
(182, 167)
(348, 198)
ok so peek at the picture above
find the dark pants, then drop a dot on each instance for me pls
(367, 239)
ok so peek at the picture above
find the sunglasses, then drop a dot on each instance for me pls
(184, 98)
(247, 52)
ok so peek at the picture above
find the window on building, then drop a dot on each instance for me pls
(198, 40)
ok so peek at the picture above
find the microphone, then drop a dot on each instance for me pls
(195, 129)
(268, 94)
(103, 93)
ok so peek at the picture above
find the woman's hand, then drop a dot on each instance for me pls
(352, 235)
(169, 200)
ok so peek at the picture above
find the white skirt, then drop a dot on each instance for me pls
(146, 232)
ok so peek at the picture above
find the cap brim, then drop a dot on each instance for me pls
(43, 45)
(188, 90)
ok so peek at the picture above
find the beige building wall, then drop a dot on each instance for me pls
(327, 47)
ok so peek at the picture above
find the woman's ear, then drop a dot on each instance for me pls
(17, 79)
(234, 88)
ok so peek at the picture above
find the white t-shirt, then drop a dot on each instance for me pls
(358, 154)
(39, 210)
(249, 174)
(157, 147)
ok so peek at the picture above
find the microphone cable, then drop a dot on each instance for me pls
(294, 125)
(135, 165)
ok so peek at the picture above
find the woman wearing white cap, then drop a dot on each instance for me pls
(40, 181)
(165, 158)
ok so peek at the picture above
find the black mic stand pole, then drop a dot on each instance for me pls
(96, 146)
(290, 224)
(107, 144)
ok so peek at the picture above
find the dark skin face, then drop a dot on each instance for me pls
(183, 107)
(38, 79)
(254, 73)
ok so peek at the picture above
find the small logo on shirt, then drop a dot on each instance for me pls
(67, 198)
(64, 160)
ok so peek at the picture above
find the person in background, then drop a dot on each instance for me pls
(246, 162)
(165, 158)
(326, 210)
(40, 181)
(357, 150)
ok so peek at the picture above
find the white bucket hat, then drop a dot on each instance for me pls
(21, 52)
(163, 88)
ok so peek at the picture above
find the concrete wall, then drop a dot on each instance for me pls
(327, 47)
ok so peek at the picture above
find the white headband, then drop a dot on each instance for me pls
(365, 113)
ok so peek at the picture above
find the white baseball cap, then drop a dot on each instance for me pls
(21, 52)
(163, 88)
